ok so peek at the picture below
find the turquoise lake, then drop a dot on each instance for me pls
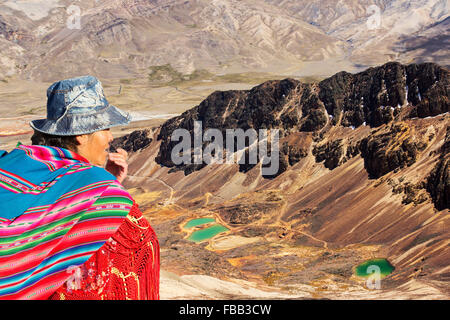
(207, 233)
(198, 222)
(385, 266)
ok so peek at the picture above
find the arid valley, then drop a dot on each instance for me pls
(364, 165)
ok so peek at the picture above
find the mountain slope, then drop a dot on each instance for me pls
(346, 194)
(124, 38)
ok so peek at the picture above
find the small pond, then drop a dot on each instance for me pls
(366, 268)
(207, 233)
(198, 222)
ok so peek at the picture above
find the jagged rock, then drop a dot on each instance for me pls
(331, 152)
(134, 141)
(438, 182)
(282, 167)
(353, 150)
(313, 111)
(374, 97)
(282, 164)
(295, 153)
(388, 151)
(253, 109)
(413, 193)
(273, 104)
(315, 120)
(428, 92)
(335, 152)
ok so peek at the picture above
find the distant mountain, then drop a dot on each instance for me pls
(123, 38)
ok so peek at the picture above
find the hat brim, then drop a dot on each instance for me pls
(78, 124)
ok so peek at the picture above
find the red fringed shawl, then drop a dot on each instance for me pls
(125, 267)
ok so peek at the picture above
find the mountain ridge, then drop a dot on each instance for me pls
(374, 97)
(123, 39)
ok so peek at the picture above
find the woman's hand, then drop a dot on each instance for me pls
(117, 164)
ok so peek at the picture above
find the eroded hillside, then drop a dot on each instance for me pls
(367, 179)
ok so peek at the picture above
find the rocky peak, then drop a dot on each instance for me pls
(387, 151)
(373, 97)
(135, 141)
(376, 96)
(438, 182)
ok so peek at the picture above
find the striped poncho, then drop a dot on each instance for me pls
(56, 211)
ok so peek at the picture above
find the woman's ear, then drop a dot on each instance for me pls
(82, 139)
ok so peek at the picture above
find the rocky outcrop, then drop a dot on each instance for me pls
(438, 182)
(331, 152)
(412, 192)
(336, 152)
(292, 149)
(271, 105)
(373, 97)
(132, 142)
(428, 89)
(295, 153)
(385, 152)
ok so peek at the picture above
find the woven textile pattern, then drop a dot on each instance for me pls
(56, 211)
(125, 268)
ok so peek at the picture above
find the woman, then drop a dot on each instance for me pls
(68, 228)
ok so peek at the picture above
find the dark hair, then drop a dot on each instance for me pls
(44, 139)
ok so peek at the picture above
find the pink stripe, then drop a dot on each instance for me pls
(17, 177)
(51, 214)
(36, 219)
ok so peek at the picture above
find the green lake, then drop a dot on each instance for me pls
(198, 222)
(366, 268)
(207, 233)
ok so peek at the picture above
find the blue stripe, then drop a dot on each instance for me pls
(90, 247)
(57, 268)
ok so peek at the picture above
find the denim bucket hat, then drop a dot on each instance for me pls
(78, 106)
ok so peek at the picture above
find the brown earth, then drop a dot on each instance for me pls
(347, 194)
(310, 225)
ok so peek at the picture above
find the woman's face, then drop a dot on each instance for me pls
(95, 146)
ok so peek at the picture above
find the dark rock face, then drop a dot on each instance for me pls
(353, 150)
(134, 141)
(438, 182)
(335, 152)
(373, 97)
(259, 108)
(331, 152)
(313, 111)
(386, 152)
(295, 153)
(428, 91)
(282, 163)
